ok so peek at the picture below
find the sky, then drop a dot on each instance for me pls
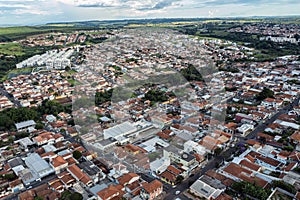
(33, 12)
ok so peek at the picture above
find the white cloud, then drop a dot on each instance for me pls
(41, 11)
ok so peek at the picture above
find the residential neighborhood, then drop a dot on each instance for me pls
(167, 116)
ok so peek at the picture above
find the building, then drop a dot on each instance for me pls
(112, 192)
(151, 190)
(26, 126)
(16, 185)
(25, 143)
(38, 165)
(79, 175)
(58, 163)
(160, 165)
(119, 130)
(176, 155)
(207, 187)
(245, 129)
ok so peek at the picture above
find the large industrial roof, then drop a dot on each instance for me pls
(25, 124)
(36, 163)
(119, 129)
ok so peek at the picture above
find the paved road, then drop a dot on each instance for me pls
(264, 125)
(10, 97)
(225, 154)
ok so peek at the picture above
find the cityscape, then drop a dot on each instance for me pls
(151, 109)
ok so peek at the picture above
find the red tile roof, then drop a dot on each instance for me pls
(79, 175)
(126, 178)
(152, 186)
(110, 193)
(250, 165)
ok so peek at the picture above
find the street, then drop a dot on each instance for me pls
(225, 155)
(11, 98)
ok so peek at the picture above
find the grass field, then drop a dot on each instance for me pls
(16, 72)
(18, 30)
(12, 48)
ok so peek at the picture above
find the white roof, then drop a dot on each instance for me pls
(17, 169)
(205, 190)
(161, 164)
(25, 141)
(25, 124)
(37, 164)
(49, 148)
(289, 124)
(120, 129)
(154, 141)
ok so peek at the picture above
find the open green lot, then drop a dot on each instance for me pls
(12, 49)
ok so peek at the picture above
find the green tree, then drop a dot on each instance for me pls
(179, 179)
(10, 177)
(77, 154)
(76, 196)
(265, 93)
(217, 151)
(284, 186)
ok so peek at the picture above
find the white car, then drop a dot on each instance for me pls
(177, 192)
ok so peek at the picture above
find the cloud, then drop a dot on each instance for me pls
(41, 11)
(160, 5)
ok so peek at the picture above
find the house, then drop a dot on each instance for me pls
(76, 172)
(67, 179)
(230, 128)
(160, 165)
(209, 143)
(239, 173)
(240, 116)
(57, 185)
(25, 143)
(168, 177)
(207, 187)
(44, 138)
(40, 191)
(249, 165)
(132, 149)
(16, 185)
(191, 146)
(269, 102)
(91, 170)
(171, 174)
(151, 190)
(51, 118)
(128, 179)
(58, 163)
(245, 129)
(177, 155)
(295, 138)
(72, 131)
(111, 192)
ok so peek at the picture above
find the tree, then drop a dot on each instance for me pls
(265, 93)
(67, 195)
(246, 188)
(76, 196)
(77, 154)
(38, 198)
(179, 179)
(10, 177)
(284, 186)
(191, 74)
(217, 151)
